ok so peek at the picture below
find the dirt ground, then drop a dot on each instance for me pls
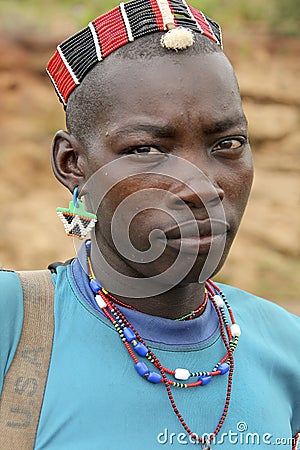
(265, 257)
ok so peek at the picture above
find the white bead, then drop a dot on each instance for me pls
(219, 301)
(100, 301)
(235, 330)
(182, 374)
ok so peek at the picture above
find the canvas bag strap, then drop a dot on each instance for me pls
(24, 385)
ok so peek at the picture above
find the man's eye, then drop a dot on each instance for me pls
(230, 144)
(145, 149)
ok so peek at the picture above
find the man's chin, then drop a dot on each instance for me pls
(205, 267)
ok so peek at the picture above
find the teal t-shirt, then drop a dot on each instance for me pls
(95, 400)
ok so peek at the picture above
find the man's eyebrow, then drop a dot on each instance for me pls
(225, 124)
(168, 131)
(160, 131)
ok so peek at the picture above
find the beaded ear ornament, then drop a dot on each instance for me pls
(78, 222)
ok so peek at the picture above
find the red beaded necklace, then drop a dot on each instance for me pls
(136, 346)
(191, 315)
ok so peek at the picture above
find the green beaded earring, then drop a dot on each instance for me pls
(77, 221)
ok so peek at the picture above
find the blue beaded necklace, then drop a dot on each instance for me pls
(137, 348)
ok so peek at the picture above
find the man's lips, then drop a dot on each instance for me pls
(197, 229)
(197, 236)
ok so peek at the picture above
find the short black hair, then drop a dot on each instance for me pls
(81, 106)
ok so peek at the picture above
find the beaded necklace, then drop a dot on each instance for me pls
(197, 311)
(191, 315)
(136, 347)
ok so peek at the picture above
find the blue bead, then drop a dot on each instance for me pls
(95, 286)
(88, 244)
(154, 377)
(224, 367)
(141, 349)
(129, 334)
(141, 369)
(75, 197)
(205, 379)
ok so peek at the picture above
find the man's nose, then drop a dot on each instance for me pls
(198, 193)
(195, 182)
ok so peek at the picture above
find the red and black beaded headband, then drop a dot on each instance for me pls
(78, 54)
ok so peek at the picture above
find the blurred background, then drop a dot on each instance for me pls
(262, 39)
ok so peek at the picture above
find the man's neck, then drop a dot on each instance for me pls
(170, 303)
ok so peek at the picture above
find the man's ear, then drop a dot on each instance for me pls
(68, 160)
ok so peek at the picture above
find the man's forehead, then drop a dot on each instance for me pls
(172, 76)
(153, 96)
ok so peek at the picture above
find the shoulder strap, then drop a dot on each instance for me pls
(24, 385)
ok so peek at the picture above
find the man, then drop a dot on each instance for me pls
(146, 348)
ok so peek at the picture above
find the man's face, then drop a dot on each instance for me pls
(174, 137)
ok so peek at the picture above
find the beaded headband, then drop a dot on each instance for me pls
(78, 54)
